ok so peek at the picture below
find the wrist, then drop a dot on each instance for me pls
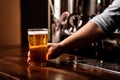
(62, 48)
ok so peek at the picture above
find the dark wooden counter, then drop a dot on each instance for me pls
(13, 66)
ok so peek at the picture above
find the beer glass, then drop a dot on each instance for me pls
(37, 39)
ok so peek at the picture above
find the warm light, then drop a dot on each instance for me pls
(70, 6)
(57, 8)
(98, 1)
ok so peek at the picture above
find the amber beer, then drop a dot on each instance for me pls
(38, 39)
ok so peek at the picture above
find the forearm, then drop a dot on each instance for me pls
(87, 34)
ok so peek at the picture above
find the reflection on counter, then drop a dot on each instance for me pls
(88, 64)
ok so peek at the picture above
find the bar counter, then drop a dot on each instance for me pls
(13, 66)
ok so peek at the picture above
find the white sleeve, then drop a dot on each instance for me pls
(109, 20)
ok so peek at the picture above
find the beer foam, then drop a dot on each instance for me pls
(37, 32)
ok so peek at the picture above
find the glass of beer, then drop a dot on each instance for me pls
(38, 39)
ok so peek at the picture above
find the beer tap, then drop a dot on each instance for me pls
(74, 21)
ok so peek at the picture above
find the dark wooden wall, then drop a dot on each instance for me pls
(34, 14)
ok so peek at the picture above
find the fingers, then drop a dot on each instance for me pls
(47, 55)
(53, 51)
(52, 54)
(28, 53)
(28, 59)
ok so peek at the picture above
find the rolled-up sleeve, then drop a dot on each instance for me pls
(109, 20)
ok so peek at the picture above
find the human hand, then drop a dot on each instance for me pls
(28, 58)
(54, 50)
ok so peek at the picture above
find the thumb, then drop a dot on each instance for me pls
(47, 55)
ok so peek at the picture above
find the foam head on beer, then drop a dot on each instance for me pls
(37, 32)
(37, 37)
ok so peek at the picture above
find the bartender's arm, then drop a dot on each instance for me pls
(87, 34)
(98, 27)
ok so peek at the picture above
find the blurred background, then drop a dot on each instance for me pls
(16, 16)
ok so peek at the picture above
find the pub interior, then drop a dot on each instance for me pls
(98, 61)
